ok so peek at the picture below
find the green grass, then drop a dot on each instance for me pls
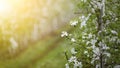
(30, 58)
(30, 54)
(55, 59)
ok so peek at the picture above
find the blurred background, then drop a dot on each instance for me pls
(30, 32)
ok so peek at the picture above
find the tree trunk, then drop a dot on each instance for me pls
(100, 28)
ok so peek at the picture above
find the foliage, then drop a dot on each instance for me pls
(96, 35)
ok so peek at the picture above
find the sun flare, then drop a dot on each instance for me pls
(11, 7)
(5, 7)
(18, 9)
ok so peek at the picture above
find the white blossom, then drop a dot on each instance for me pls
(113, 39)
(100, 44)
(87, 42)
(93, 10)
(66, 65)
(95, 57)
(107, 54)
(82, 17)
(103, 45)
(107, 22)
(90, 35)
(97, 66)
(88, 55)
(84, 33)
(85, 52)
(73, 51)
(96, 51)
(70, 34)
(93, 46)
(116, 19)
(72, 59)
(93, 3)
(93, 41)
(73, 40)
(89, 47)
(83, 37)
(114, 32)
(83, 23)
(99, 5)
(92, 61)
(64, 33)
(73, 23)
(118, 40)
(77, 64)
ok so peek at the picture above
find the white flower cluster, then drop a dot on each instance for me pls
(95, 58)
(114, 32)
(90, 35)
(103, 46)
(73, 59)
(78, 64)
(98, 5)
(84, 20)
(73, 51)
(64, 34)
(97, 50)
(73, 40)
(118, 40)
(86, 53)
(107, 54)
(93, 41)
(74, 23)
(97, 43)
(113, 39)
(67, 65)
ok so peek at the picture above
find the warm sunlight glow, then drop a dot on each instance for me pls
(14, 7)
(5, 7)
